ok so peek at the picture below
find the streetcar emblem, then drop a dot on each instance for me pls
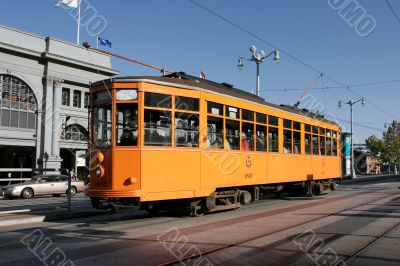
(248, 161)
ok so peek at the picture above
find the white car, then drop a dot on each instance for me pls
(42, 185)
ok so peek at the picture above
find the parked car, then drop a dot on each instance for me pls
(42, 185)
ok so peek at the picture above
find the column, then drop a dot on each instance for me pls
(46, 123)
(49, 157)
(56, 123)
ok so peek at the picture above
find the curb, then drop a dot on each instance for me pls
(45, 217)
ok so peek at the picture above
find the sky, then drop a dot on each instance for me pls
(313, 36)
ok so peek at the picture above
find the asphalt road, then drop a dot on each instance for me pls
(358, 224)
(79, 201)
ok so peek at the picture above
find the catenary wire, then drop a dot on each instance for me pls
(393, 11)
(291, 56)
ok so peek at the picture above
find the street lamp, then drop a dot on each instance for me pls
(351, 103)
(258, 58)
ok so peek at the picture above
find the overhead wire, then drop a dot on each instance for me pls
(393, 11)
(290, 56)
(340, 87)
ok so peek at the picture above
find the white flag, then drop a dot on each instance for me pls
(70, 3)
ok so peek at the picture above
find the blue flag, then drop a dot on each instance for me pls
(104, 42)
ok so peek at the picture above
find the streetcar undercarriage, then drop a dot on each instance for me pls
(221, 199)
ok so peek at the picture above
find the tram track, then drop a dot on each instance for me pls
(142, 222)
(323, 216)
(367, 244)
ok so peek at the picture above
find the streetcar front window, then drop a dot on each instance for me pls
(127, 124)
(157, 128)
(102, 125)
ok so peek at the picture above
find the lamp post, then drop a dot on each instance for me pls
(351, 103)
(258, 58)
(46, 158)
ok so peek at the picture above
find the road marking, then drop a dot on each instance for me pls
(15, 211)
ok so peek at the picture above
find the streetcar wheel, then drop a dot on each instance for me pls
(245, 197)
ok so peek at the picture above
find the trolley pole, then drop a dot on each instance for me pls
(351, 103)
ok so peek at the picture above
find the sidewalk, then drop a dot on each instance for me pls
(369, 178)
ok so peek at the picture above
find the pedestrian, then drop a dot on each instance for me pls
(72, 175)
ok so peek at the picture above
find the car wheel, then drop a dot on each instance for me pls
(72, 190)
(27, 193)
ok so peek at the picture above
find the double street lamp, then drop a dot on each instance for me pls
(351, 103)
(258, 58)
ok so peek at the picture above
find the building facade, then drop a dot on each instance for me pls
(44, 99)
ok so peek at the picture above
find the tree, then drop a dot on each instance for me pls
(387, 149)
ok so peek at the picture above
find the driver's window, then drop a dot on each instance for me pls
(48, 179)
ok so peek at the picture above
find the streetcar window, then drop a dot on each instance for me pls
(232, 131)
(247, 115)
(186, 130)
(157, 128)
(102, 96)
(296, 142)
(215, 132)
(322, 131)
(307, 128)
(215, 108)
(334, 145)
(328, 133)
(261, 118)
(287, 123)
(261, 138)
(127, 124)
(315, 145)
(232, 112)
(247, 136)
(272, 120)
(307, 140)
(322, 145)
(296, 125)
(328, 146)
(273, 139)
(287, 141)
(186, 103)
(315, 129)
(157, 100)
(102, 125)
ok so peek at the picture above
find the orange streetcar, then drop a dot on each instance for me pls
(178, 141)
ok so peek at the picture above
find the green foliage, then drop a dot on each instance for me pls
(387, 148)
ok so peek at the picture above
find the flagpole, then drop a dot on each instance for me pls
(79, 22)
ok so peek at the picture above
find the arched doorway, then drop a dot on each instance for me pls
(74, 149)
(18, 123)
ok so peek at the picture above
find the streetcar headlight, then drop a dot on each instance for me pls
(99, 172)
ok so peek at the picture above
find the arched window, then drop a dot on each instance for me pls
(74, 132)
(17, 103)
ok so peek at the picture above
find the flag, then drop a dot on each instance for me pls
(70, 3)
(202, 75)
(103, 42)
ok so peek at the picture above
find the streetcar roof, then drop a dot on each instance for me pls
(181, 80)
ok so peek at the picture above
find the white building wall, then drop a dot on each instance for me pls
(47, 65)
